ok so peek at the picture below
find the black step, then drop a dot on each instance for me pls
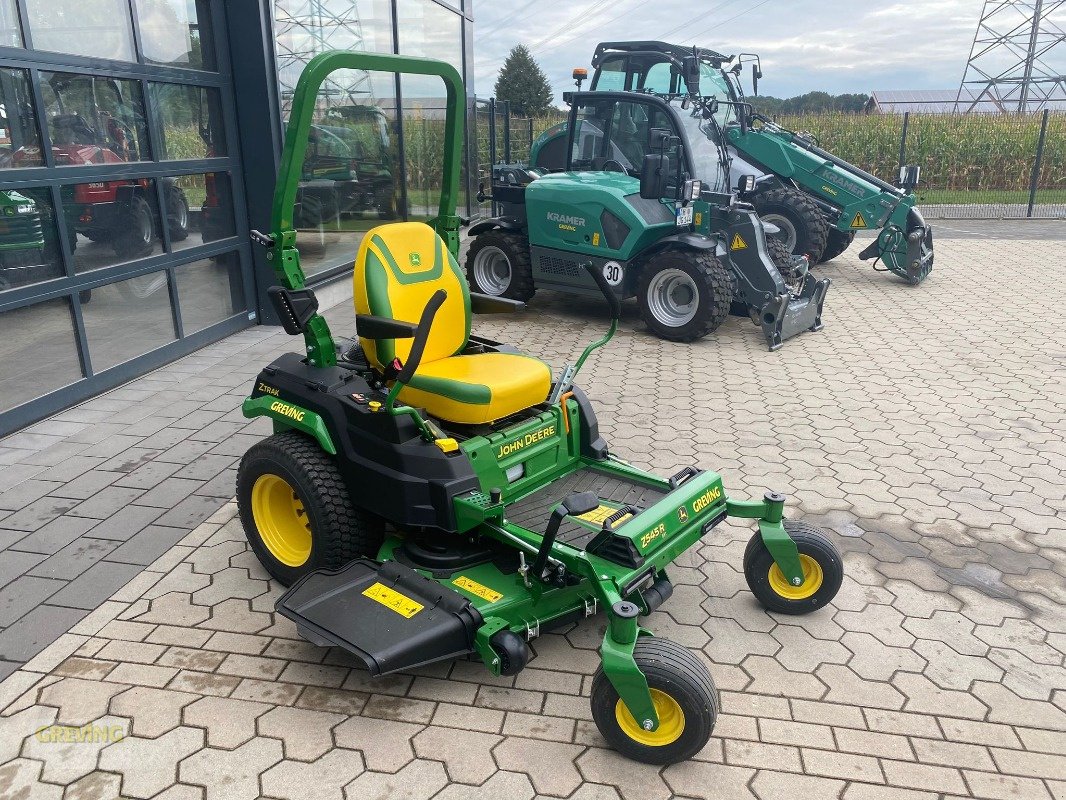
(387, 615)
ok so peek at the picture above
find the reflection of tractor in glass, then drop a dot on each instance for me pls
(348, 168)
(22, 242)
(93, 122)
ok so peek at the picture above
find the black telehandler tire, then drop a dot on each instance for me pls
(683, 294)
(498, 264)
(803, 226)
(837, 242)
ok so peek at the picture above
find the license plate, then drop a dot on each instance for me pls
(684, 216)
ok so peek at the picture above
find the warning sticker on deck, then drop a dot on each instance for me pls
(477, 589)
(599, 514)
(390, 598)
(738, 243)
(859, 221)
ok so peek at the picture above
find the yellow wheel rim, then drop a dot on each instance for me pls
(671, 721)
(812, 580)
(281, 520)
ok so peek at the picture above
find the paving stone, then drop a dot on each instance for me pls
(71, 561)
(550, 765)
(95, 585)
(700, 779)
(231, 774)
(145, 547)
(306, 735)
(385, 744)
(911, 775)
(148, 765)
(467, 758)
(325, 778)
(126, 522)
(21, 779)
(67, 761)
(95, 786)
(153, 711)
(229, 722)
(769, 785)
(503, 784)
(54, 536)
(419, 780)
(1005, 787)
(36, 630)
(637, 781)
(23, 594)
(15, 728)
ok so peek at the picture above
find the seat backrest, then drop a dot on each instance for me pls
(397, 270)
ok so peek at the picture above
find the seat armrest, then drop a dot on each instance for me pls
(486, 304)
(371, 327)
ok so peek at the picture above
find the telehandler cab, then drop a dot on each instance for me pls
(429, 494)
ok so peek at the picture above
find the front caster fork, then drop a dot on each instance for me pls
(769, 512)
(616, 655)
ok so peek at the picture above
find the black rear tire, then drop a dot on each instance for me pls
(137, 236)
(177, 214)
(787, 207)
(514, 247)
(837, 242)
(673, 671)
(714, 287)
(815, 548)
(339, 531)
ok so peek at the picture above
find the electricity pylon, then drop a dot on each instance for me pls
(1017, 61)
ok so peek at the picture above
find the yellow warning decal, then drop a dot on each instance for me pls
(477, 589)
(859, 221)
(595, 240)
(599, 514)
(698, 219)
(738, 243)
(390, 598)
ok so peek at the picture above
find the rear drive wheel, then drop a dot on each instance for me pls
(803, 227)
(296, 510)
(684, 294)
(498, 264)
(685, 698)
(177, 215)
(837, 243)
(823, 571)
(136, 236)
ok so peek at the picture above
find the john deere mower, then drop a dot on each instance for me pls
(817, 200)
(429, 494)
(627, 204)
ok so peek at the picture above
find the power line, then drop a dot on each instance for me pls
(539, 46)
(500, 23)
(722, 22)
(605, 23)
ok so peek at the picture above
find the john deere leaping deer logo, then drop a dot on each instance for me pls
(682, 514)
(415, 259)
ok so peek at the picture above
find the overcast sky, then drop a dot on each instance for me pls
(806, 45)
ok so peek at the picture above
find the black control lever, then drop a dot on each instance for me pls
(575, 504)
(264, 239)
(608, 293)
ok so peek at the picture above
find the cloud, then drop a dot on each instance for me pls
(806, 45)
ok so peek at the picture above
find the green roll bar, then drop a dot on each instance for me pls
(282, 253)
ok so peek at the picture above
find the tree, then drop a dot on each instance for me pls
(523, 83)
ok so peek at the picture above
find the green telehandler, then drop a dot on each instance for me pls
(817, 200)
(627, 204)
(429, 494)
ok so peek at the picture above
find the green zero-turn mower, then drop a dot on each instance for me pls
(819, 201)
(688, 250)
(429, 494)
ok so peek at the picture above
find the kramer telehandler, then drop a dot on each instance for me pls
(817, 200)
(627, 203)
(431, 495)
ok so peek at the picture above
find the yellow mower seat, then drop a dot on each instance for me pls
(398, 269)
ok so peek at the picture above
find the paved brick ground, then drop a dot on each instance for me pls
(924, 427)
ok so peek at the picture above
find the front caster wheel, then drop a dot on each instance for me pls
(685, 698)
(296, 510)
(823, 571)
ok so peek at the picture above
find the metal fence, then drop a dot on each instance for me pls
(976, 166)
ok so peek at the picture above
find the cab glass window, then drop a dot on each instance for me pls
(659, 78)
(612, 76)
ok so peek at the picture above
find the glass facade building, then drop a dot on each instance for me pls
(139, 142)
